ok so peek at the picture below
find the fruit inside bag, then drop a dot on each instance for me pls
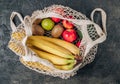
(61, 52)
(60, 38)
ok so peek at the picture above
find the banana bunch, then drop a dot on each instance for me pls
(59, 52)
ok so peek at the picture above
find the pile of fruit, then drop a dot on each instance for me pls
(58, 49)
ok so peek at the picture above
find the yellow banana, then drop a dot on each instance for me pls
(50, 47)
(69, 46)
(52, 58)
(57, 47)
(65, 67)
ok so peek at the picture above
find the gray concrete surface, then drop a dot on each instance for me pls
(104, 70)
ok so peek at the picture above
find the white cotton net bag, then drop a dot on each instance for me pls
(91, 32)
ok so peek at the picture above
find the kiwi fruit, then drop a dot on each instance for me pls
(57, 30)
(37, 30)
(37, 21)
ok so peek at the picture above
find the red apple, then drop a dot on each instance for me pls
(55, 19)
(69, 35)
(78, 44)
(71, 17)
(59, 10)
(67, 24)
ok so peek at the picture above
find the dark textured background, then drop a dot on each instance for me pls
(104, 70)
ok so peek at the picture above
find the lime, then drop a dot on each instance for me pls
(47, 24)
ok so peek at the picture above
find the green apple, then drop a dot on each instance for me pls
(47, 24)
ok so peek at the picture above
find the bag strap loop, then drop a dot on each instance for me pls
(103, 15)
(28, 25)
(13, 26)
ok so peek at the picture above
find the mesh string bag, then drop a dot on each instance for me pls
(91, 32)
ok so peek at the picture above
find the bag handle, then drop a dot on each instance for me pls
(13, 26)
(28, 25)
(103, 15)
(28, 30)
(101, 32)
